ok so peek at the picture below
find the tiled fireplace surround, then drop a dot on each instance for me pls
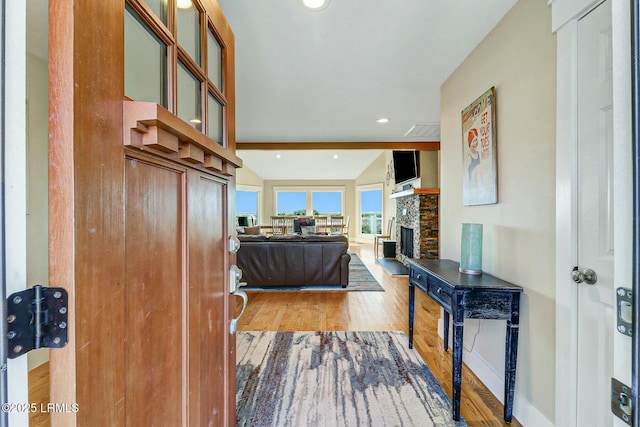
(418, 212)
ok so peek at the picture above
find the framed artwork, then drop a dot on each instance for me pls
(480, 167)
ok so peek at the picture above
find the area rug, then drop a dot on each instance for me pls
(360, 279)
(335, 379)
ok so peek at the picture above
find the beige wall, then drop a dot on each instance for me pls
(37, 183)
(245, 176)
(519, 58)
(429, 177)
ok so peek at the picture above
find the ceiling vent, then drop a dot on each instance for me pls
(424, 131)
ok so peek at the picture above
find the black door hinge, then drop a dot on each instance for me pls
(37, 317)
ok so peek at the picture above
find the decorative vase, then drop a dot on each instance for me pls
(471, 249)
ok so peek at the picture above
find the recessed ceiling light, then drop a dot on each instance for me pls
(278, 156)
(315, 5)
(184, 4)
(335, 156)
(382, 120)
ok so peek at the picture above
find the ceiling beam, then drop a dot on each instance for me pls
(360, 145)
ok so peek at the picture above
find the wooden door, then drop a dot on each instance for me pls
(596, 302)
(139, 209)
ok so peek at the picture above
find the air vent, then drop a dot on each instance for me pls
(426, 131)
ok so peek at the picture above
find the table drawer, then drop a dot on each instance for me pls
(441, 293)
(418, 278)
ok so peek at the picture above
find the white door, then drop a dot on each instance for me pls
(14, 167)
(596, 312)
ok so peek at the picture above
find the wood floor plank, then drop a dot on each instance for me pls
(375, 311)
(39, 395)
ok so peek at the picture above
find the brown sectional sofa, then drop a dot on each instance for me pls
(294, 260)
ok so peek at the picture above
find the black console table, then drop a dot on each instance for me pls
(472, 297)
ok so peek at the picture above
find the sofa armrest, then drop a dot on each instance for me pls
(344, 269)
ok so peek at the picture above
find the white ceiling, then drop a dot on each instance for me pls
(327, 76)
(308, 164)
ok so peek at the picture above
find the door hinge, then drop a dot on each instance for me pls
(621, 401)
(37, 317)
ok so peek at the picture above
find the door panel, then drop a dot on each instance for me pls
(207, 325)
(595, 216)
(155, 297)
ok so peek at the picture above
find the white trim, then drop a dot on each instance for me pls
(566, 11)
(566, 225)
(15, 187)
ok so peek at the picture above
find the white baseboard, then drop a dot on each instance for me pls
(523, 410)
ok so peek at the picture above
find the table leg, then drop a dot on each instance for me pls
(457, 367)
(412, 301)
(511, 353)
(446, 330)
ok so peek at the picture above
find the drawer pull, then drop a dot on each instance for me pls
(419, 276)
(439, 290)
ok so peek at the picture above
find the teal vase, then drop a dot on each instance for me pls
(471, 249)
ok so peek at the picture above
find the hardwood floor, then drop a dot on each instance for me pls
(339, 311)
(374, 311)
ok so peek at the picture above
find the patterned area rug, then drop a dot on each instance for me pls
(360, 279)
(335, 379)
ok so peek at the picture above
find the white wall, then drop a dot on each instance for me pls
(519, 58)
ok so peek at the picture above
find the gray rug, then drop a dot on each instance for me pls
(360, 279)
(335, 379)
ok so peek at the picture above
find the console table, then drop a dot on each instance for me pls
(472, 297)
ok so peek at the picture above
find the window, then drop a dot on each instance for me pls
(325, 201)
(247, 205)
(191, 87)
(291, 203)
(189, 32)
(142, 81)
(369, 209)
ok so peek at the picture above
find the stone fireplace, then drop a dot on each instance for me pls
(417, 224)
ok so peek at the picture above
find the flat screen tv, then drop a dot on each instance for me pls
(406, 165)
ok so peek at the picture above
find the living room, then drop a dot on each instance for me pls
(518, 58)
(376, 176)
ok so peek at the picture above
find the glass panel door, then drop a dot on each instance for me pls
(370, 212)
(145, 62)
(189, 32)
(214, 60)
(189, 97)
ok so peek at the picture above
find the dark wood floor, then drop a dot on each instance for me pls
(374, 311)
(340, 311)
